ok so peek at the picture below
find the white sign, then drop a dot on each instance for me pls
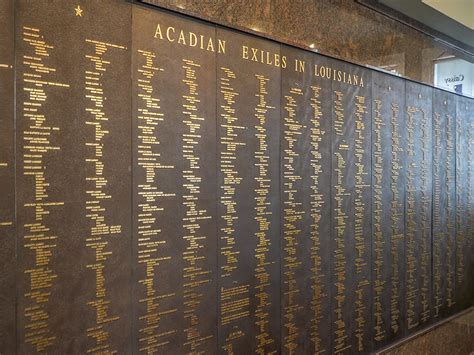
(455, 75)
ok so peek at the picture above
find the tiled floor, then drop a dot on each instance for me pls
(452, 338)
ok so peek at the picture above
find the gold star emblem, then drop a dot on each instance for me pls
(78, 11)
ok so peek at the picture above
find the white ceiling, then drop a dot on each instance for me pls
(459, 10)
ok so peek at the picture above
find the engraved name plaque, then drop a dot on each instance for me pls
(169, 185)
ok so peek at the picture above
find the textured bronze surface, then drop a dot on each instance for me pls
(174, 174)
(388, 217)
(444, 203)
(340, 28)
(73, 176)
(187, 188)
(7, 187)
(305, 205)
(469, 200)
(351, 206)
(418, 206)
(464, 208)
(249, 271)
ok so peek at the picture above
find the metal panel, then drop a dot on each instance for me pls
(388, 196)
(463, 164)
(182, 188)
(174, 150)
(7, 186)
(470, 196)
(248, 101)
(73, 176)
(418, 206)
(444, 203)
(351, 205)
(305, 174)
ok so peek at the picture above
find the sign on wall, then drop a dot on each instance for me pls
(456, 75)
(187, 188)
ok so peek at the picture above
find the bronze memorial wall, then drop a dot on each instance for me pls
(7, 181)
(172, 186)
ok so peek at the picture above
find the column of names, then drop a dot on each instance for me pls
(196, 273)
(444, 246)
(235, 300)
(103, 232)
(293, 214)
(153, 198)
(340, 225)
(388, 179)
(418, 204)
(7, 181)
(38, 143)
(320, 219)
(362, 222)
(462, 207)
(248, 211)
